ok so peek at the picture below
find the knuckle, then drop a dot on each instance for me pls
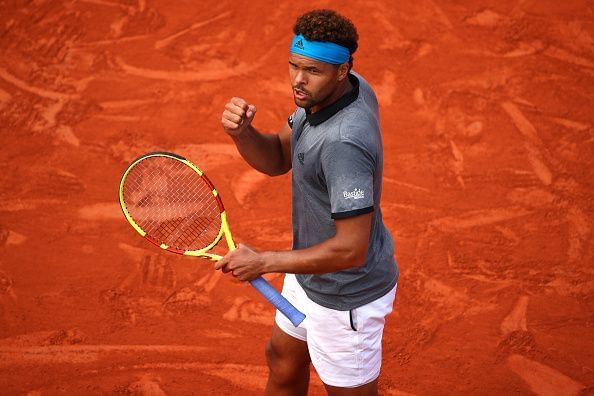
(229, 124)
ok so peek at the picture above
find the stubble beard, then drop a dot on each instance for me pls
(307, 103)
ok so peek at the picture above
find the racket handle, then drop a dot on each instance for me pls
(278, 300)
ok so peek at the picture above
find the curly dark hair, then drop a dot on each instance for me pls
(328, 25)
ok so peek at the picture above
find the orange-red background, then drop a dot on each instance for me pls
(487, 123)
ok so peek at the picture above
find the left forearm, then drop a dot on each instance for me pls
(346, 249)
(329, 256)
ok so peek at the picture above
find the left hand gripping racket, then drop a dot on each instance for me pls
(172, 203)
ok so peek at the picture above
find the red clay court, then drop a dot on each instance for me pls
(488, 190)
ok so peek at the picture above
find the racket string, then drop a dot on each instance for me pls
(172, 203)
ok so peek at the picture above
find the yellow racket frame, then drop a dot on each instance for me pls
(224, 224)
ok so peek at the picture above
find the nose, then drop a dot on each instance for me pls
(300, 78)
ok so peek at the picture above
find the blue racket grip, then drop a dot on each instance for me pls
(278, 300)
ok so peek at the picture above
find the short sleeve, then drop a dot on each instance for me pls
(349, 172)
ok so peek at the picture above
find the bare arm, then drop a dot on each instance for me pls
(267, 153)
(346, 249)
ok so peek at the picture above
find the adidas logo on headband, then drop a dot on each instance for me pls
(324, 51)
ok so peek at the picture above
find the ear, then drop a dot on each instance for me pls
(343, 71)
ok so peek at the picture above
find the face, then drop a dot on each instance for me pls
(314, 82)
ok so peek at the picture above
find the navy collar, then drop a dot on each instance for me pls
(327, 112)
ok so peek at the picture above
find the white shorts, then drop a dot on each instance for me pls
(345, 346)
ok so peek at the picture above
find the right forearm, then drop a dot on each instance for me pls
(267, 153)
(261, 150)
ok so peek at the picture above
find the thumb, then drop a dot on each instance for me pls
(219, 264)
(251, 112)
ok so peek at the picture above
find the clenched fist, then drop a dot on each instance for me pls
(238, 116)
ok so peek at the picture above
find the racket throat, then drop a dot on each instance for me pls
(227, 231)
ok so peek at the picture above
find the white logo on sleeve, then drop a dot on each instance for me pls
(355, 194)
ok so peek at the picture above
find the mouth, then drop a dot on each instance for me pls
(299, 94)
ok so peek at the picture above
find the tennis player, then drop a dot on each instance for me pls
(341, 271)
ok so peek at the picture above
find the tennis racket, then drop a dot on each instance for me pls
(170, 201)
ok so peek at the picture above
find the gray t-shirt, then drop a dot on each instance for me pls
(337, 162)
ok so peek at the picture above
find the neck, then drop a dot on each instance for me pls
(341, 88)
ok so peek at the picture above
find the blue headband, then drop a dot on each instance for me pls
(320, 50)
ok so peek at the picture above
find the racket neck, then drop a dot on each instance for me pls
(227, 231)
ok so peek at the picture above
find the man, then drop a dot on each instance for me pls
(341, 271)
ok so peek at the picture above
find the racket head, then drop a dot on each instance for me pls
(169, 201)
